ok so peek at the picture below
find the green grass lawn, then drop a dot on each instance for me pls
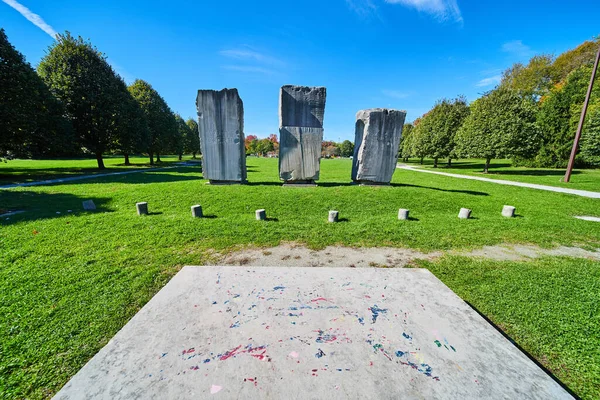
(550, 307)
(18, 171)
(584, 179)
(70, 281)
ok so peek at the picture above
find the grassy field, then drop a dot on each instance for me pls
(71, 280)
(18, 171)
(584, 179)
(550, 307)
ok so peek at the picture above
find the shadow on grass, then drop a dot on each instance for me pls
(533, 172)
(38, 206)
(9, 176)
(514, 343)
(209, 217)
(470, 192)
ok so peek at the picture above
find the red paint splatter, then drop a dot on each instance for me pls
(370, 363)
(318, 299)
(189, 351)
(230, 353)
(367, 296)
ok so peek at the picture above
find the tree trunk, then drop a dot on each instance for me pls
(194, 155)
(180, 156)
(435, 162)
(151, 158)
(449, 162)
(158, 158)
(487, 165)
(126, 159)
(422, 160)
(100, 161)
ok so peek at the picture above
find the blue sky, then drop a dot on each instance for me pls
(402, 54)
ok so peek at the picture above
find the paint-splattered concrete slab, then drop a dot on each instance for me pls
(309, 333)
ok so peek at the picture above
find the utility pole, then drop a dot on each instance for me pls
(581, 120)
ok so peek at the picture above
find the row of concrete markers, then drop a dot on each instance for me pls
(301, 113)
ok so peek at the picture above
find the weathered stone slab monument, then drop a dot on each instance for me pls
(221, 130)
(378, 134)
(301, 112)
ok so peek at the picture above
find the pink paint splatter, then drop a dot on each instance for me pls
(294, 354)
(215, 389)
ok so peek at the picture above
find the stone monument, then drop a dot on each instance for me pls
(221, 130)
(378, 134)
(301, 112)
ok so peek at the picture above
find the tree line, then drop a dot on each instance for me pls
(530, 117)
(76, 104)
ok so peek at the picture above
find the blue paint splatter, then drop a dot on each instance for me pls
(235, 325)
(293, 315)
(320, 354)
(361, 320)
(207, 361)
(406, 336)
(214, 302)
(376, 311)
(163, 355)
(400, 353)
(279, 288)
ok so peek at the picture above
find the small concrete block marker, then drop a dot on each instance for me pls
(142, 208)
(197, 211)
(89, 205)
(333, 216)
(261, 215)
(403, 214)
(508, 211)
(464, 213)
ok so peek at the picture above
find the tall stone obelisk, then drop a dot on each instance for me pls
(301, 112)
(221, 130)
(377, 138)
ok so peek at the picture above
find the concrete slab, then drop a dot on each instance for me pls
(309, 333)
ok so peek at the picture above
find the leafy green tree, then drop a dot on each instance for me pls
(533, 80)
(501, 124)
(183, 133)
(79, 75)
(559, 114)
(132, 127)
(590, 137)
(569, 61)
(31, 120)
(438, 128)
(346, 148)
(419, 141)
(192, 142)
(405, 148)
(162, 126)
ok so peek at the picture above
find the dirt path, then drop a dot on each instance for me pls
(293, 255)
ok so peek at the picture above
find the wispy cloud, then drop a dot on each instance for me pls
(250, 69)
(443, 10)
(248, 54)
(362, 7)
(32, 17)
(252, 61)
(396, 94)
(517, 48)
(491, 81)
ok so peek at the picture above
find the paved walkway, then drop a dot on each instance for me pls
(81, 177)
(309, 333)
(582, 193)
